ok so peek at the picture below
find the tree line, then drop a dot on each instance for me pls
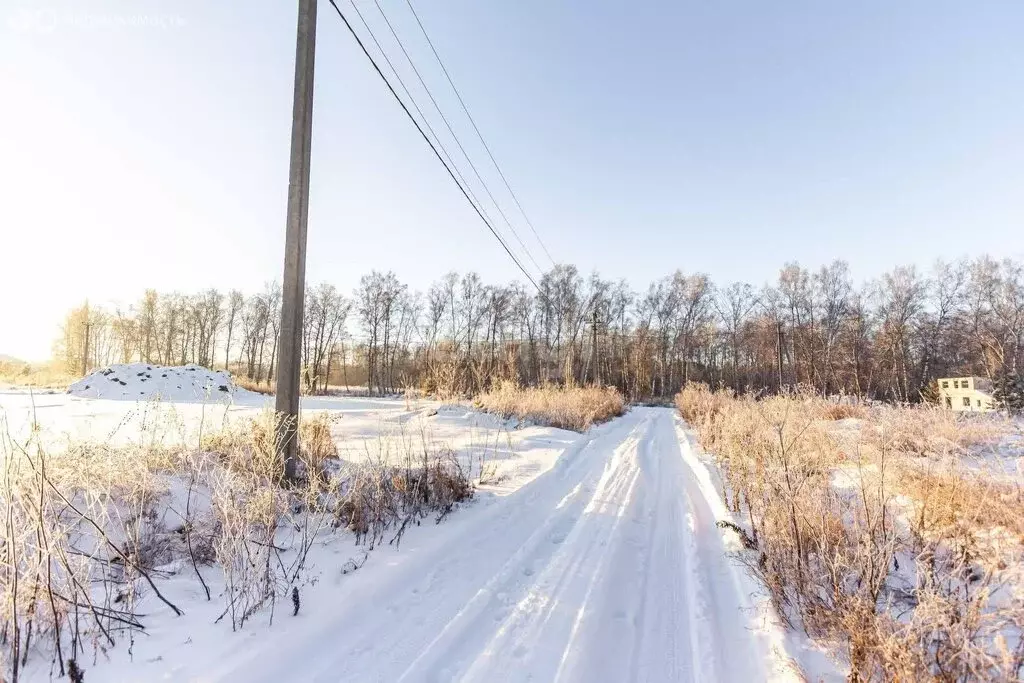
(888, 338)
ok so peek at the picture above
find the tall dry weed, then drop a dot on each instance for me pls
(575, 408)
(876, 538)
(259, 387)
(88, 530)
(81, 538)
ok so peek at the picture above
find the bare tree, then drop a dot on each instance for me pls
(834, 288)
(323, 327)
(234, 307)
(886, 339)
(901, 296)
(734, 305)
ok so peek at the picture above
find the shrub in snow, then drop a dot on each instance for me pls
(881, 539)
(573, 408)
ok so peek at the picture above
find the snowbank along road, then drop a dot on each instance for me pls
(609, 567)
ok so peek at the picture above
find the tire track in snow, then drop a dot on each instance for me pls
(418, 612)
(534, 641)
(749, 642)
(609, 567)
(668, 637)
(648, 516)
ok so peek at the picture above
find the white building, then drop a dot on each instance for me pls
(966, 394)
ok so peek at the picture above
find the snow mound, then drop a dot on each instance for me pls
(143, 382)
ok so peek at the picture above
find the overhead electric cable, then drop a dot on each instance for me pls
(426, 138)
(416, 106)
(479, 134)
(458, 142)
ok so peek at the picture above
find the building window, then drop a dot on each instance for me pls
(945, 385)
(965, 384)
(979, 402)
(949, 402)
(967, 401)
(956, 384)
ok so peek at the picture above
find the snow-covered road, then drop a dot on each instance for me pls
(608, 567)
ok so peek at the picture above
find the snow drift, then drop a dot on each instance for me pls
(143, 382)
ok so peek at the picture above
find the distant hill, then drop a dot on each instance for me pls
(4, 358)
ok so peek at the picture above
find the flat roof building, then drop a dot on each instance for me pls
(966, 394)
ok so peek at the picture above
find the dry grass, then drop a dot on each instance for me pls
(316, 445)
(51, 375)
(82, 532)
(951, 498)
(929, 431)
(842, 411)
(270, 388)
(240, 443)
(85, 530)
(573, 408)
(881, 540)
(395, 490)
(265, 388)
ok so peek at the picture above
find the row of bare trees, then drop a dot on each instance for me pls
(209, 328)
(887, 338)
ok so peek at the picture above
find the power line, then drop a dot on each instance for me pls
(408, 93)
(433, 148)
(479, 134)
(458, 142)
(415, 104)
(437, 138)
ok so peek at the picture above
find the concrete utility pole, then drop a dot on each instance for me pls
(294, 285)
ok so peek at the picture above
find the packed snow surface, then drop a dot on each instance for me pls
(609, 567)
(594, 558)
(143, 382)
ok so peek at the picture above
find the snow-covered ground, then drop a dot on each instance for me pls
(607, 568)
(592, 557)
(512, 454)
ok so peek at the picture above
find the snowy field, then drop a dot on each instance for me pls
(590, 558)
(136, 403)
(513, 453)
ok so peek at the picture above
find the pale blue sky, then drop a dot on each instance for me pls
(146, 143)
